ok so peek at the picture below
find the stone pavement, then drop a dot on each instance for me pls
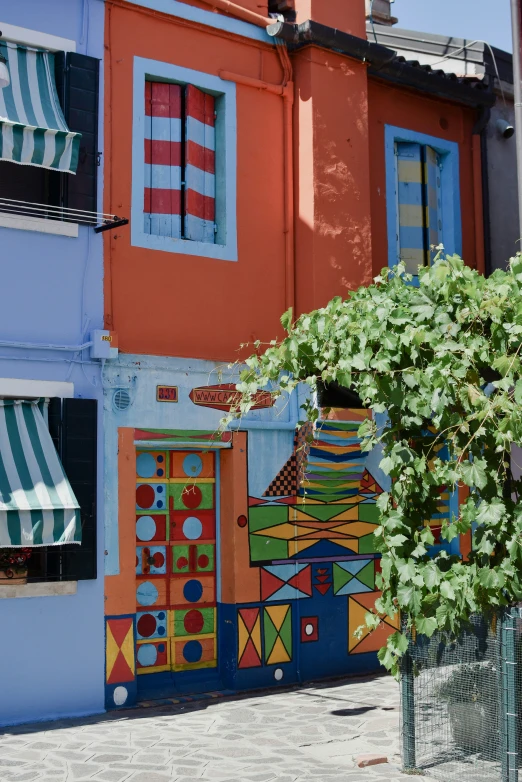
(299, 735)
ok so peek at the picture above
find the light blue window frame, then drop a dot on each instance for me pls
(450, 189)
(225, 247)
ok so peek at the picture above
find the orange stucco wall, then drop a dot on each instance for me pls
(333, 231)
(346, 15)
(403, 108)
(164, 303)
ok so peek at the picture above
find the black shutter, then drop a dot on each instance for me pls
(79, 451)
(54, 415)
(79, 87)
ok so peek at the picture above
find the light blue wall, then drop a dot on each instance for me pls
(52, 648)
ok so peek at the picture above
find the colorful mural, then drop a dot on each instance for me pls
(175, 561)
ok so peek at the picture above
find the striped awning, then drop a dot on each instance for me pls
(33, 130)
(37, 504)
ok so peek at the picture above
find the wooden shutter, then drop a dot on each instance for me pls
(419, 204)
(79, 459)
(200, 180)
(162, 176)
(77, 79)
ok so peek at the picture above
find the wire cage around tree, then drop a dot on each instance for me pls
(461, 702)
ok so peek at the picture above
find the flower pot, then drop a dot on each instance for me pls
(471, 725)
(13, 575)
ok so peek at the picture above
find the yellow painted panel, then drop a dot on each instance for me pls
(413, 216)
(410, 171)
(279, 653)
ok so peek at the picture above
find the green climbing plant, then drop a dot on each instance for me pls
(442, 360)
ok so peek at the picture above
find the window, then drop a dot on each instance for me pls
(422, 197)
(72, 426)
(40, 126)
(180, 186)
(184, 161)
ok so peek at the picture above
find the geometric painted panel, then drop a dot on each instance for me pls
(249, 637)
(119, 650)
(191, 526)
(277, 632)
(189, 654)
(151, 592)
(151, 560)
(150, 528)
(185, 592)
(195, 621)
(286, 582)
(371, 641)
(151, 624)
(151, 496)
(191, 496)
(150, 464)
(153, 657)
(193, 559)
(354, 576)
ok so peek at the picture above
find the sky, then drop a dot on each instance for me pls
(488, 20)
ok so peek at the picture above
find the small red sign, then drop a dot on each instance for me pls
(225, 397)
(166, 393)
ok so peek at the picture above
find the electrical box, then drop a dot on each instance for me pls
(103, 344)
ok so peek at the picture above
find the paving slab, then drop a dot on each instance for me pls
(304, 734)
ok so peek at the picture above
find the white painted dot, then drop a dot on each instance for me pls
(278, 674)
(309, 629)
(120, 695)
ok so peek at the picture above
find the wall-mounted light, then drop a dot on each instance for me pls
(5, 79)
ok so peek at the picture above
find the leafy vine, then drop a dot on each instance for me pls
(442, 361)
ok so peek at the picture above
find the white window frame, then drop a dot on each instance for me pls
(225, 246)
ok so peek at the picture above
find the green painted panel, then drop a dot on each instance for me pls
(193, 490)
(206, 616)
(266, 516)
(270, 634)
(286, 632)
(369, 512)
(340, 577)
(367, 575)
(323, 512)
(367, 545)
(263, 549)
(205, 550)
(180, 554)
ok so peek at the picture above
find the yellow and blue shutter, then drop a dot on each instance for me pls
(419, 212)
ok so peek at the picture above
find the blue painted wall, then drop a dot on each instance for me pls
(52, 651)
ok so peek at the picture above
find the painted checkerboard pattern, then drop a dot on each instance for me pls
(175, 561)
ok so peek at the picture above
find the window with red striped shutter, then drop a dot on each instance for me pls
(179, 177)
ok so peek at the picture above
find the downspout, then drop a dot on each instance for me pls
(479, 195)
(286, 91)
(240, 12)
(517, 83)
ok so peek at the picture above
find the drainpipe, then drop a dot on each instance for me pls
(479, 193)
(286, 91)
(517, 76)
(240, 12)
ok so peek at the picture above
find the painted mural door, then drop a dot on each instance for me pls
(175, 571)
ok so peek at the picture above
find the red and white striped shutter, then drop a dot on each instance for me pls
(200, 179)
(162, 197)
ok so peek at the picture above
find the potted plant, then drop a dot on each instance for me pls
(470, 692)
(14, 564)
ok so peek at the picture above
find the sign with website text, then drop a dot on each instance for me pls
(225, 397)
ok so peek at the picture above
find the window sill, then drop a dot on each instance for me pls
(39, 224)
(41, 589)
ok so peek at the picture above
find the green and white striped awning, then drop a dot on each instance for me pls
(33, 130)
(37, 504)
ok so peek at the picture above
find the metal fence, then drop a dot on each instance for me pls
(461, 702)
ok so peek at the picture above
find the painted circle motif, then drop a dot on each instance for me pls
(181, 563)
(146, 625)
(192, 465)
(192, 591)
(158, 559)
(203, 561)
(145, 528)
(191, 497)
(278, 674)
(192, 651)
(146, 594)
(193, 621)
(309, 629)
(146, 465)
(192, 528)
(147, 654)
(145, 496)
(120, 695)
(242, 521)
